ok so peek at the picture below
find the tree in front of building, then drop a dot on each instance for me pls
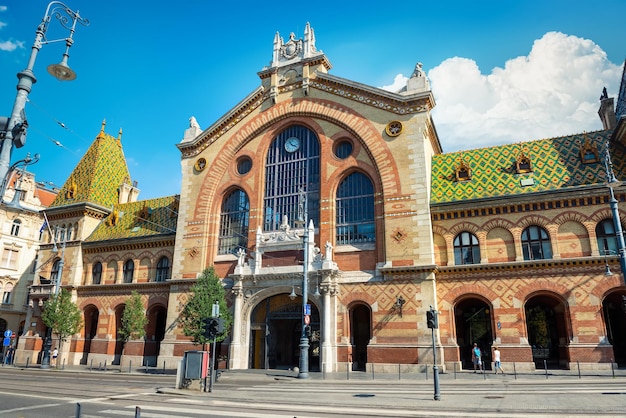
(204, 293)
(62, 316)
(134, 319)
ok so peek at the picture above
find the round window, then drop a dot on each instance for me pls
(244, 165)
(343, 149)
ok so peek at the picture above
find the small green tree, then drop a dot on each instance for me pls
(204, 293)
(62, 316)
(134, 319)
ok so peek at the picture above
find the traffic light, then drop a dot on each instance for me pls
(213, 327)
(431, 319)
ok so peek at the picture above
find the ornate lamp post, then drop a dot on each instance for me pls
(611, 180)
(47, 345)
(13, 129)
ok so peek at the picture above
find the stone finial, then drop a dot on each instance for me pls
(193, 131)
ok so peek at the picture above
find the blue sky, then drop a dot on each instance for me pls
(501, 71)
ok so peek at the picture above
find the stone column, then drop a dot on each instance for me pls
(235, 357)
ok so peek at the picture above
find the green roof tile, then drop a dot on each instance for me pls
(143, 218)
(98, 176)
(556, 165)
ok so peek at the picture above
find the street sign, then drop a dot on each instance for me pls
(6, 342)
(307, 309)
(307, 319)
(8, 333)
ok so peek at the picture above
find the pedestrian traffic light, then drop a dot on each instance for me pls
(431, 319)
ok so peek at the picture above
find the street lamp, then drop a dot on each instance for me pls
(611, 180)
(13, 129)
(45, 360)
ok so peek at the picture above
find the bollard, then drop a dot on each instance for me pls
(137, 412)
(612, 369)
(426, 372)
(27, 361)
(91, 365)
(100, 366)
(130, 366)
(163, 366)
(63, 365)
(347, 371)
(578, 364)
(372, 371)
(545, 366)
(105, 365)
(324, 371)
(482, 366)
(514, 371)
(399, 374)
(454, 371)
(77, 410)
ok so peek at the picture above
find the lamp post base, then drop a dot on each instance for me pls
(303, 372)
(47, 346)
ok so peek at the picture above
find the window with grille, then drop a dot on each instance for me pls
(607, 237)
(466, 249)
(234, 222)
(163, 269)
(9, 258)
(129, 268)
(536, 243)
(96, 273)
(292, 179)
(355, 210)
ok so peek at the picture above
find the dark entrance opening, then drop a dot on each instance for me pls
(473, 325)
(91, 329)
(361, 331)
(155, 332)
(547, 332)
(276, 329)
(615, 318)
(119, 343)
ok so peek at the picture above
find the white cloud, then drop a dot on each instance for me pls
(398, 82)
(10, 45)
(551, 92)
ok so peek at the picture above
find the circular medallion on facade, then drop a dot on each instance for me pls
(394, 128)
(292, 144)
(200, 164)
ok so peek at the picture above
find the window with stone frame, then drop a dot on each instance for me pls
(234, 222)
(129, 270)
(466, 249)
(355, 210)
(96, 273)
(607, 237)
(536, 243)
(15, 227)
(10, 258)
(163, 269)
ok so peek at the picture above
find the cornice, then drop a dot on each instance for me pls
(128, 244)
(120, 288)
(461, 272)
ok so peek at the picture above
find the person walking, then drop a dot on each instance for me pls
(55, 354)
(496, 361)
(477, 358)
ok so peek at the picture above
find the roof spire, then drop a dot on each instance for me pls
(119, 135)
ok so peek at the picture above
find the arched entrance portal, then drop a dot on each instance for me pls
(547, 331)
(614, 319)
(472, 317)
(276, 328)
(361, 332)
(90, 331)
(155, 332)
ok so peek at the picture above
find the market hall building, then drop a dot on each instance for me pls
(511, 244)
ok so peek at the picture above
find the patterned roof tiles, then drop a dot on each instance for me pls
(143, 218)
(98, 176)
(556, 164)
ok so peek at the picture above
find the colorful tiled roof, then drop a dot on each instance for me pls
(556, 164)
(98, 176)
(139, 219)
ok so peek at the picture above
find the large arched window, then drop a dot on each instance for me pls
(96, 273)
(355, 210)
(607, 237)
(292, 179)
(466, 249)
(129, 268)
(536, 243)
(234, 222)
(163, 269)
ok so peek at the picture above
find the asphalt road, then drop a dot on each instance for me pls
(51, 393)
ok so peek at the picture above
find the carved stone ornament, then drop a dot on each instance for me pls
(200, 164)
(394, 128)
(292, 48)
